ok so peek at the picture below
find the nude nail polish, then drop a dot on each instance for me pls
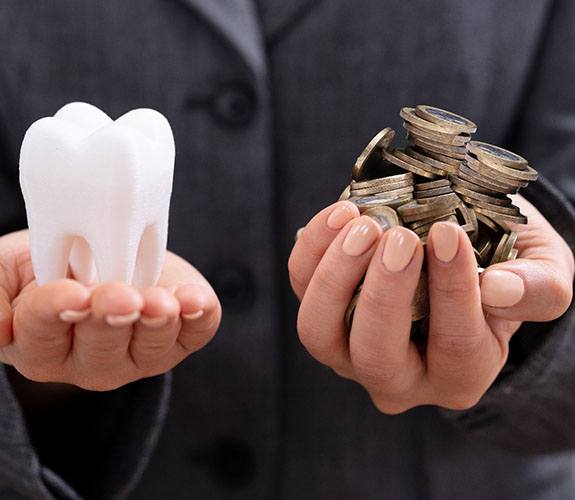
(501, 288)
(399, 249)
(445, 239)
(122, 320)
(70, 316)
(340, 216)
(362, 235)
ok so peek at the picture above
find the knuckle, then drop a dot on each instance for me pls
(309, 239)
(310, 335)
(100, 384)
(388, 407)
(461, 401)
(453, 285)
(457, 346)
(378, 373)
(328, 284)
(560, 298)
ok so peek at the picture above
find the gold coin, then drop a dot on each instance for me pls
(385, 216)
(434, 162)
(454, 162)
(450, 139)
(398, 191)
(403, 179)
(501, 201)
(514, 253)
(436, 147)
(495, 175)
(430, 220)
(451, 198)
(509, 244)
(382, 140)
(475, 177)
(486, 221)
(392, 158)
(459, 181)
(345, 195)
(496, 154)
(351, 307)
(365, 202)
(420, 304)
(430, 193)
(499, 250)
(483, 251)
(468, 218)
(424, 186)
(527, 175)
(408, 114)
(505, 210)
(500, 218)
(446, 119)
(418, 164)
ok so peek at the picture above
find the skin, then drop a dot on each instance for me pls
(468, 342)
(155, 329)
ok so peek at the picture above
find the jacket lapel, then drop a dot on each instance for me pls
(236, 20)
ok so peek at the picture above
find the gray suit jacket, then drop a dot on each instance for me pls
(270, 105)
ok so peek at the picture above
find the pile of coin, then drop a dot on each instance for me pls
(442, 175)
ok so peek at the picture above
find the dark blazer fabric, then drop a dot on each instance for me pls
(270, 105)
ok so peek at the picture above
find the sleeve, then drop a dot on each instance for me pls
(91, 445)
(531, 406)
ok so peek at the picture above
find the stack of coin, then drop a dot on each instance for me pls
(484, 181)
(442, 175)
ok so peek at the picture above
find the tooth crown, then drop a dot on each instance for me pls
(97, 194)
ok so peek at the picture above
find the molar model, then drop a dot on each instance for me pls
(97, 194)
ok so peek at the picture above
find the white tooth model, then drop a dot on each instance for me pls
(97, 194)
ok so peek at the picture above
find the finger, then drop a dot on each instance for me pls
(102, 339)
(5, 320)
(526, 290)
(315, 240)
(157, 330)
(321, 326)
(42, 330)
(200, 315)
(384, 359)
(463, 356)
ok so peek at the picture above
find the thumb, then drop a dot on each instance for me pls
(527, 289)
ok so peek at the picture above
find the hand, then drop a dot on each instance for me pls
(471, 320)
(102, 337)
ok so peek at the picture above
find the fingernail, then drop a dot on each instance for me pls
(399, 249)
(361, 237)
(157, 322)
(122, 320)
(70, 316)
(445, 241)
(193, 316)
(340, 216)
(501, 288)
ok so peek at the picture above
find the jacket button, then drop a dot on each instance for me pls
(234, 105)
(231, 463)
(234, 285)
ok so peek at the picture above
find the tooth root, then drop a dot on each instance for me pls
(115, 257)
(150, 258)
(82, 261)
(50, 260)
